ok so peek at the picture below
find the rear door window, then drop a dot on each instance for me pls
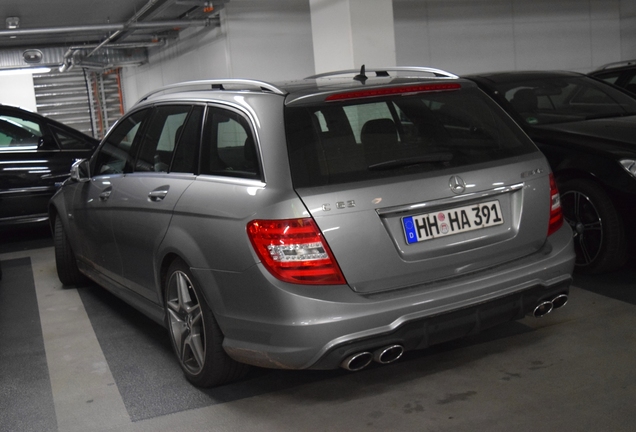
(160, 138)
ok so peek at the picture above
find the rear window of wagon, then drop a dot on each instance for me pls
(360, 139)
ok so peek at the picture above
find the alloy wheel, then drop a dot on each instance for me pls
(586, 223)
(186, 322)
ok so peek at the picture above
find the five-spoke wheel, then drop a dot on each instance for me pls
(599, 239)
(196, 337)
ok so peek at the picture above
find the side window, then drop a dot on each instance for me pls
(160, 138)
(186, 156)
(115, 156)
(228, 146)
(18, 132)
(68, 141)
(630, 85)
(610, 77)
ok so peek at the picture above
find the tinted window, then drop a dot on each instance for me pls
(564, 99)
(337, 142)
(610, 77)
(116, 156)
(68, 141)
(160, 138)
(18, 132)
(186, 156)
(228, 146)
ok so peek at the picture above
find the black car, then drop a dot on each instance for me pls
(587, 130)
(36, 154)
(621, 74)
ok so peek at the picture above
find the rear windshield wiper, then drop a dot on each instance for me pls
(416, 160)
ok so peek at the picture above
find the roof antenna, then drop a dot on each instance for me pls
(361, 76)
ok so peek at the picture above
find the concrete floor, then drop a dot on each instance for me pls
(81, 360)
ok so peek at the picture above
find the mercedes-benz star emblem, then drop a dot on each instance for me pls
(457, 185)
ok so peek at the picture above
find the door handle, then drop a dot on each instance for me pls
(158, 194)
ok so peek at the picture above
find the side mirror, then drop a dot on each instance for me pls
(80, 171)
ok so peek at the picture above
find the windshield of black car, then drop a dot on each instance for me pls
(564, 99)
(360, 139)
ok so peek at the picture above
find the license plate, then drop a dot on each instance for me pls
(453, 221)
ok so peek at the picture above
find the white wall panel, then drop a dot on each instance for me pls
(605, 46)
(472, 48)
(628, 29)
(269, 40)
(17, 90)
(552, 45)
(467, 36)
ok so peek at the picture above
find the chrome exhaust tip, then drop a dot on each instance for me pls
(388, 354)
(559, 301)
(356, 362)
(542, 309)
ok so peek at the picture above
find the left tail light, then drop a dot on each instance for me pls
(294, 250)
(556, 215)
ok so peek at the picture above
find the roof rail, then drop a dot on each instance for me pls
(385, 72)
(218, 84)
(616, 64)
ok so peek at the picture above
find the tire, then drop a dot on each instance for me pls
(599, 233)
(196, 337)
(65, 261)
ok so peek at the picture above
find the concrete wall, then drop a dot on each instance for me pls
(272, 39)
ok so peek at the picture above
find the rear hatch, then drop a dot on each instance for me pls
(416, 183)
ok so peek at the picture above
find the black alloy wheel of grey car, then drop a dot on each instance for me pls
(599, 235)
(196, 337)
(65, 261)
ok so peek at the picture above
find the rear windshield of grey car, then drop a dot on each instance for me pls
(342, 141)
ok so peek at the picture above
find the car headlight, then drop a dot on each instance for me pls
(629, 165)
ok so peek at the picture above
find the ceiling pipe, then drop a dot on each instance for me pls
(69, 60)
(106, 27)
(131, 21)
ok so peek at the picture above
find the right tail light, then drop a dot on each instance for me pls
(556, 215)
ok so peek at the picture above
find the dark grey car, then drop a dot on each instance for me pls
(315, 224)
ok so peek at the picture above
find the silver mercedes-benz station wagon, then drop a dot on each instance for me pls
(329, 222)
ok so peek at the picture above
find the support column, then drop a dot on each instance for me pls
(349, 33)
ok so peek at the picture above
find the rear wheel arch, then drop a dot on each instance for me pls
(196, 337)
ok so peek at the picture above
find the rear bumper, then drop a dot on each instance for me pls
(268, 323)
(422, 333)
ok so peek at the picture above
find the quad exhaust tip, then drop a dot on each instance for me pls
(388, 354)
(358, 361)
(546, 306)
(385, 355)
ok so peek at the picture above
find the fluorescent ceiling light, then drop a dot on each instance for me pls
(25, 71)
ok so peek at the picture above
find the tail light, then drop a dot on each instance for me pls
(556, 215)
(294, 250)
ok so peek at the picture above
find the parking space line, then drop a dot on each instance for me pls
(85, 394)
